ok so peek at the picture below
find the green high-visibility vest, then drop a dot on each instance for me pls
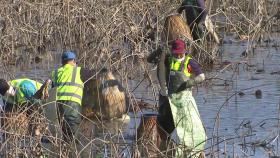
(69, 85)
(20, 98)
(176, 65)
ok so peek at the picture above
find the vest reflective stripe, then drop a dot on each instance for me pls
(20, 98)
(69, 84)
(69, 94)
(176, 65)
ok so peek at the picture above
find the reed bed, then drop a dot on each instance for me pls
(119, 35)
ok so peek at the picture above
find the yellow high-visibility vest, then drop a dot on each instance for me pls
(69, 85)
(176, 65)
(20, 98)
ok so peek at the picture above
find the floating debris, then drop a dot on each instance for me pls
(275, 73)
(258, 94)
(241, 93)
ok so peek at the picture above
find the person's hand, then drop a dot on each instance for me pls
(46, 88)
(43, 92)
(189, 83)
(163, 92)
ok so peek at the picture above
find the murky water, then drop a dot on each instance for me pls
(231, 120)
(241, 123)
(239, 114)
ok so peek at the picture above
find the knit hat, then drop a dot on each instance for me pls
(27, 88)
(178, 47)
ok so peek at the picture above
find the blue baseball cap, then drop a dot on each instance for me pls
(28, 88)
(68, 55)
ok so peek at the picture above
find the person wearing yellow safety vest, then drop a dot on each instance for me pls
(18, 91)
(69, 80)
(178, 113)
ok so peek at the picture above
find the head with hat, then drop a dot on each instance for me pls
(27, 88)
(178, 48)
(69, 57)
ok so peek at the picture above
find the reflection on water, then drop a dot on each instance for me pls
(239, 115)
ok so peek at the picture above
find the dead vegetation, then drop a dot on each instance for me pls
(114, 34)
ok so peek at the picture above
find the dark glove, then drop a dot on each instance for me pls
(190, 83)
(187, 84)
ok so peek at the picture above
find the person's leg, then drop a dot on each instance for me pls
(71, 113)
(165, 118)
(194, 14)
(201, 10)
(71, 118)
(190, 14)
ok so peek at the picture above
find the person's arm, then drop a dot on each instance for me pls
(197, 72)
(42, 93)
